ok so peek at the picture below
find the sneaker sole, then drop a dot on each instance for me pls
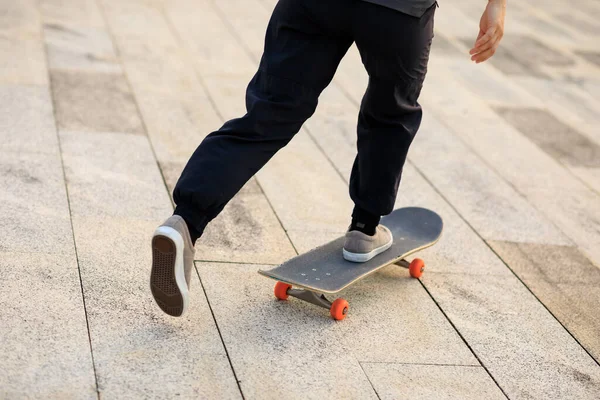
(363, 257)
(167, 278)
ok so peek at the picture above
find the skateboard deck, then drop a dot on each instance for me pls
(324, 270)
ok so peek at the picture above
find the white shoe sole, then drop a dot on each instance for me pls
(168, 268)
(363, 257)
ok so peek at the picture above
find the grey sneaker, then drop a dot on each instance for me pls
(360, 247)
(172, 264)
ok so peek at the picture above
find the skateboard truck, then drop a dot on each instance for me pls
(339, 307)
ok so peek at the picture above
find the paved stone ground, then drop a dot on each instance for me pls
(102, 102)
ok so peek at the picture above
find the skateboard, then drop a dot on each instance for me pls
(323, 270)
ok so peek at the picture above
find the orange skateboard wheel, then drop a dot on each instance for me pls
(339, 309)
(281, 290)
(416, 268)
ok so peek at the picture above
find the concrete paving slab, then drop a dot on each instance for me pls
(246, 231)
(139, 350)
(305, 190)
(519, 160)
(308, 240)
(576, 213)
(27, 120)
(487, 83)
(19, 17)
(404, 323)
(80, 48)
(94, 102)
(562, 199)
(243, 302)
(194, 20)
(591, 176)
(559, 140)
(406, 381)
(79, 13)
(45, 348)
(23, 60)
(568, 103)
(176, 126)
(30, 226)
(258, 329)
(565, 281)
(524, 348)
(250, 30)
(490, 205)
(114, 174)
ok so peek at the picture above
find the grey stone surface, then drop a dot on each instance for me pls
(45, 352)
(272, 357)
(247, 230)
(579, 23)
(488, 84)
(308, 240)
(19, 17)
(561, 141)
(490, 205)
(139, 350)
(71, 47)
(591, 176)
(408, 381)
(23, 60)
(569, 103)
(80, 13)
(577, 214)
(530, 52)
(594, 58)
(443, 46)
(306, 192)
(176, 122)
(565, 281)
(27, 120)
(35, 212)
(94, 102)
(305, 341)
(524, 348)
(565, 201)
(114, 174)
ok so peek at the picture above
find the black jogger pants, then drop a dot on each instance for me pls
(304, 44)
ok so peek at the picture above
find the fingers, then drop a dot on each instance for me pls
(486, 45)
(481, 57)
(482, 41)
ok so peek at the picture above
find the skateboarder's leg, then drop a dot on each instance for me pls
(304, 44)
(394, 48)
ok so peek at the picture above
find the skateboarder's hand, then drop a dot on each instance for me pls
(491, 30)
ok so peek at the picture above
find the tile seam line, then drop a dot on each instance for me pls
(368, 379)
(237, 380)
(243, 45)
(507, 266)
(100, 5)
(66, 187)
(200, 78)
(428, 364)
